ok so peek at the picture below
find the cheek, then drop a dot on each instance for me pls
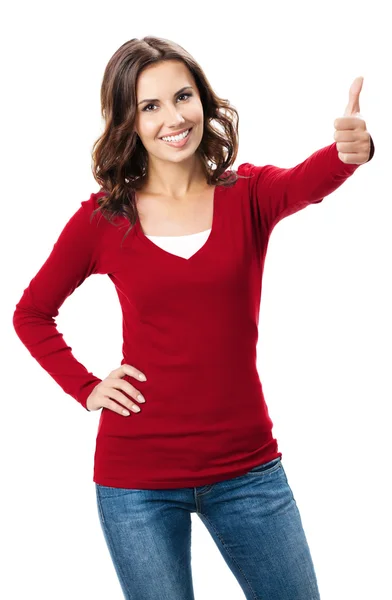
(149, 127)
(195, 114)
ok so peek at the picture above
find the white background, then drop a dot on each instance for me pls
(324, 354)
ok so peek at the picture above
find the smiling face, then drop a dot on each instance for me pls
(168, 102)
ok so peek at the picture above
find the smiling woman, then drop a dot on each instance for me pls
(166, 130)
(203, 442)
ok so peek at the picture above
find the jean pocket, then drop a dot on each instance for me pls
(105, 491)
(266, 468)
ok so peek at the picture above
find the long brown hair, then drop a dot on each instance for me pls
(119, 159)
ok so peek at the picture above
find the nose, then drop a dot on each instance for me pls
(174, 117)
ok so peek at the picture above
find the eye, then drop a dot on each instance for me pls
(145, 108)
(185, 94)
(148, 105)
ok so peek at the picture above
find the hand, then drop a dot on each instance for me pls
(353, 140)
(108, 388)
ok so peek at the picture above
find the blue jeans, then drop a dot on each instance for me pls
(253, 519)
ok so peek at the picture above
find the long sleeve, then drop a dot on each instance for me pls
(277, 192)
(70, 262)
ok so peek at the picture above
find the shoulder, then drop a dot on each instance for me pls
(248, 170)
(245, 168)
(91, 209)
(236, 176)
(91, 204)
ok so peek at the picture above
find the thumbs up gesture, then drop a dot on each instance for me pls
(352, 138)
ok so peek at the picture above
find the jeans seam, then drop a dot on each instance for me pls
(99, 505)
(110, 544)
(231, 556)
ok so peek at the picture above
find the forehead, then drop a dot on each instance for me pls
(163, 79)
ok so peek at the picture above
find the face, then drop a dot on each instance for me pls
(169, 109)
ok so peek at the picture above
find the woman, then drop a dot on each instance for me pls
(188, 273)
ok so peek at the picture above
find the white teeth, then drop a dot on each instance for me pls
(176, 138)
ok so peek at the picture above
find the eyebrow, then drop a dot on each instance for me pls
(187, 87)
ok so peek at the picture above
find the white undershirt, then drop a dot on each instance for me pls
(181, 245)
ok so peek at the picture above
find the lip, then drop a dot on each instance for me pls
(182, 143)
(176, 133)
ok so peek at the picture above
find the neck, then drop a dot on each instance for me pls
(175, 180)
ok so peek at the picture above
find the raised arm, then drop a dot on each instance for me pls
(277, 192)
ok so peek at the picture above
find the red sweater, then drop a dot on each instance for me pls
(191, 325)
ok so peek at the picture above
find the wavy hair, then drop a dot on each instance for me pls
(119, 159)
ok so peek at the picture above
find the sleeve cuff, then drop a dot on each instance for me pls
(86, 391)
(371, 149)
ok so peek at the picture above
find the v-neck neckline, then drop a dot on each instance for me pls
(164, 253)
